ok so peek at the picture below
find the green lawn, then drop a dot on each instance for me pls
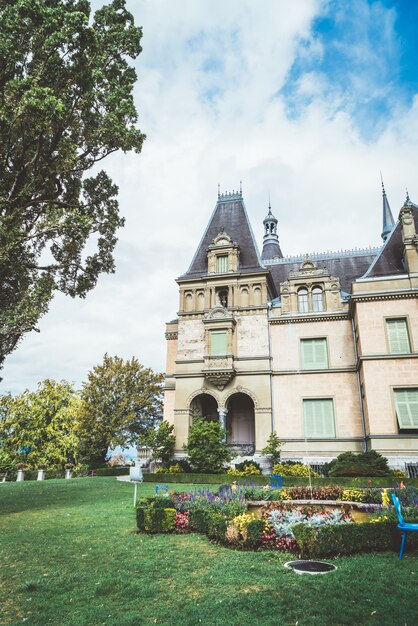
(69, 557)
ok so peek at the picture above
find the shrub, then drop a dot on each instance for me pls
(249, 470)
(330, 492)
(112, 471)
(206, 447)
(369, 463)
(182, 520)
(296, 469)
(198, 519)
(272, 449)
(172, 469)
(255, 529)
(140, 516)
(242, 466)
(216, 525)
(157, 520)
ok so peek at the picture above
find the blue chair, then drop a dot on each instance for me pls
(162, 488)
(403, 526)
(276, 481)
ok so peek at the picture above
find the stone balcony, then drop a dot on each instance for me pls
(219, 370)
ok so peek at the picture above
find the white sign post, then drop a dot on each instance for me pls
(135, 476)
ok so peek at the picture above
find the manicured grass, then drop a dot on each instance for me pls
(69, 557)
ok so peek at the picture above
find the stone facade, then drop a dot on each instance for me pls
(320, 349)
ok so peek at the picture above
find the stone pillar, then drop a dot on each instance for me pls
(222, 420)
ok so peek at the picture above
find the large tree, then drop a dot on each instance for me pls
(65, 104)
(120, 404)
(39, 427)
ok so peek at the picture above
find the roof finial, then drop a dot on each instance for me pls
(219, 190)
(240, 187)
(407, 196)
(269, 204)
(383, 186)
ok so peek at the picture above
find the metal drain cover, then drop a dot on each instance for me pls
(310, 567)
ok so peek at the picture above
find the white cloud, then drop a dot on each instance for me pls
(210, 103)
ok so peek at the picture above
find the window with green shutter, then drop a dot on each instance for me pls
(222, 263)
(319, 418)
(218, 342)
(314, 354)
(398, 339)
(406, 403)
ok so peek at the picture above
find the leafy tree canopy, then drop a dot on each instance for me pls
(206, 446)
(65, 104)
(120, 403)
(162, 442)
(38, 428)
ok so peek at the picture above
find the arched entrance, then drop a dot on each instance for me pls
(204, 405)
(240, 423)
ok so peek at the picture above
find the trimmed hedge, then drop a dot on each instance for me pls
(159, 520)
(349, 538)
(288, 481)
(112, 471)
(254, 531)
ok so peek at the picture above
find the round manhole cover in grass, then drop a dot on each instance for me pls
(310, 567)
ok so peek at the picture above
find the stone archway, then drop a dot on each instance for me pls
(204, 405)
(240, 423)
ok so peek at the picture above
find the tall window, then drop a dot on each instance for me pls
(317, 299)
(398, 339)
(218, 342)
(314, 354)
(406, 404)
(222, 263)
(318, 416)
(303, 300)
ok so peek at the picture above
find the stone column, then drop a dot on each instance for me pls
(222, 420)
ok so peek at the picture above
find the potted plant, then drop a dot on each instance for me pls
(21, 468)
(41, 471)
(69, 470)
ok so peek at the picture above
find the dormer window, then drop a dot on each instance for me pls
(222, 264)
(317, 299)
(303, 306)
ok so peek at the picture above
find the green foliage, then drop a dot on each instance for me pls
(254, 531)
(120, 403)
(369, 463)
(140, 516)
(206, 447)
(272, 449)
(250, 469)
(67, 103)
(216, 525)
(296, 469)
(198, 519)
(159, 520)
(112, 471)
(161, 442)
(243, 466)
(38, 428)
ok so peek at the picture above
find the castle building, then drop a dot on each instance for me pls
(322, 348)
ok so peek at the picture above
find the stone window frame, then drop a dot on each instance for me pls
(389, 318)
(324, 338)
(397, 429)
(334, 413)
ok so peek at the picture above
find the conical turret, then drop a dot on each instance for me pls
(388, 221)
(271, 246)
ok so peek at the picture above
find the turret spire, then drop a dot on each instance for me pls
(388, 221)
(271, 246)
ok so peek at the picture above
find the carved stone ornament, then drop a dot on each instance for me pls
(216, 313)
(219, 378)
(222, 239)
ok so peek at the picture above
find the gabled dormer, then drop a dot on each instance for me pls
(223, 254)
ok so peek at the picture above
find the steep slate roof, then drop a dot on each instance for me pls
(346, 265)
(390, 259)
(229, 214)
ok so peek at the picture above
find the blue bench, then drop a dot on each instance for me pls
(403, 526)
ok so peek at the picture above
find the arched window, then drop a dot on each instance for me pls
(303, 300)
(317, 299)
(223, 298)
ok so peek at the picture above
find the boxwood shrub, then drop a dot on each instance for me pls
(158, 520)
(349, 538)
(254, 529)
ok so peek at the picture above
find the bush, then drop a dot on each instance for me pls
(198, 519)
(241, 467)
(157, 520)
(216, 525)
(294, 469)
(161, 442)
(249, 470)
(112, 471)
(172, 469)
(272, 449)
(140, 516)
(348, 539)
(369, 463)
(255, 529)
(206, 447)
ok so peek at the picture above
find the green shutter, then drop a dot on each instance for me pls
(319, 418)
(218, 342)
(314, 354)
(222, 263)
(406, 401)
(398, 339)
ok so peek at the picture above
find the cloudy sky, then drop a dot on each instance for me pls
(305, 101)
